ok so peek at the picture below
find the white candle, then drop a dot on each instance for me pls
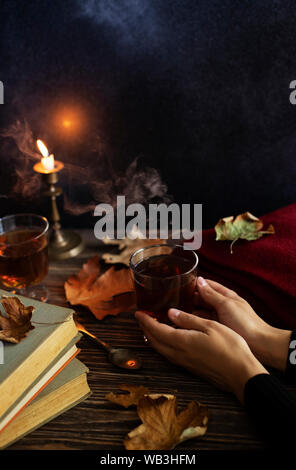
(47, 161)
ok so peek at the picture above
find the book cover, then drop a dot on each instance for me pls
(46, 378)
(66, 390)
(69, 350)
(26, 361)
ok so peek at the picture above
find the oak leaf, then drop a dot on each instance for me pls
(16, 325)
(127, 247)
(136, 392)
(104, 294)
(162, 428)
(245, 226)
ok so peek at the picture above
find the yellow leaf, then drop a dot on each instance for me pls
(162, 428)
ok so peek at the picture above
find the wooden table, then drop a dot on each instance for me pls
(99, 424)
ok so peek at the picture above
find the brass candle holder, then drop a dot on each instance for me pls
(63, 244)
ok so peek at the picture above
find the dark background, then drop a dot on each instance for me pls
(197, 89)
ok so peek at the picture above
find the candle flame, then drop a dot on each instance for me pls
(42, 148)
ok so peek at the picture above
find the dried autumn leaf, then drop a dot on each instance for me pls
(104, 294)
(245, 226)
(136, 392)
(17, 324)
(162, 428)
(127, 247)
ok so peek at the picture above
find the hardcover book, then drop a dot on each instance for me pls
(26, 362)
(66, 390)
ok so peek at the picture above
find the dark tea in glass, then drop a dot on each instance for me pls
(164, 277)
(23, 251)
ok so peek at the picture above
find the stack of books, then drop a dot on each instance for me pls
(40, 377)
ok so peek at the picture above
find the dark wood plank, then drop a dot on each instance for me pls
(99, 424)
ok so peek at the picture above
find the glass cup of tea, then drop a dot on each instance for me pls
(24, 254)
(164, 277)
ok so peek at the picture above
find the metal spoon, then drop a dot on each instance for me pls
(124, 358)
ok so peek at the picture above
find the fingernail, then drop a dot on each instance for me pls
(201, 281)
(174, 313)
(139, 312)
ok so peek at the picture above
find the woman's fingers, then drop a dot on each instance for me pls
(206, 314)
(166, 350)
(166, 334)
(168, 341)
(200, 300)
(160, 331)
(197, 300)
(187, 321)
(222, 289)
(209, 295)
(161, 337)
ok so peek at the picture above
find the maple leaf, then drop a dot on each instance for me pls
(245, 226)
(127, 247)
(16, 325)
(136, 392)
(162, 428)
(104, 294)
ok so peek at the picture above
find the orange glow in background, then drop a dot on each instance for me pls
(70, 121)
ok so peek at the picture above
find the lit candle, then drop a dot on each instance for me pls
(47, 161)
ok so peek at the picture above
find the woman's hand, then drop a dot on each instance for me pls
(270, 345)
(205, 348)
